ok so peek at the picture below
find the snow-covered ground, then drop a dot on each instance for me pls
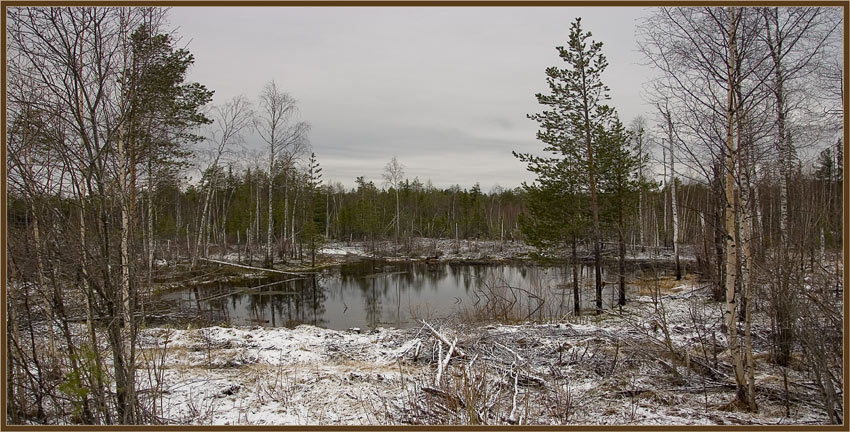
(443, 249)
(430, 248)
(306, 375)
(613, 369)
(659, 360)
(450, 249)
(342, 249)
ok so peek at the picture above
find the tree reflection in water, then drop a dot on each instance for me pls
(376, 293)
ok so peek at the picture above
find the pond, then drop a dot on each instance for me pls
(370, 294)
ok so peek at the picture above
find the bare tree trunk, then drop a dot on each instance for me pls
(673, 204)
(730, 216)
(15, 394)
(285, 139)
(269, 256)
(657, 228)
(397, 217)
(285, 213)
(674, 207)
(127, 333)
(745, 223)
(210, 228)
(576, 293)
(327, 212)
(42, 282)
(202, 226)
(641, 225)
(621, 255)
(704, 235)
(292, 227)
(100, 393)
(664, 192)
(719, 234)
(256, 236)
(783, 142)
(594, 204)
(746, 298)
(640, 218)
(150, 236)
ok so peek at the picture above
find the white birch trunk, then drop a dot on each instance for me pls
(730, 216)
(269, 256)
(674, 205)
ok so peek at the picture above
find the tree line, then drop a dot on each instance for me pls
(307, 213)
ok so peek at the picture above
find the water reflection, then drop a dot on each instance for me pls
(373, 293)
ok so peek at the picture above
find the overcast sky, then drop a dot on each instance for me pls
(446, 90)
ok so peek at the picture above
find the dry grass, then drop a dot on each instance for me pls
(666, 284)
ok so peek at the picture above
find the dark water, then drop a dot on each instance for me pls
(370, 294)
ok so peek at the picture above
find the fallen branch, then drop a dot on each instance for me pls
(459, 352)
(439, 363)
(242, 291)
(255, 268)
(444, 363)
(518, 357)
(523, 379)
(516, 392)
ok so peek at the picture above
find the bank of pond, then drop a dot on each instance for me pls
(367, 294)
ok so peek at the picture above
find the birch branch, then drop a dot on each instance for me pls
(443, 339)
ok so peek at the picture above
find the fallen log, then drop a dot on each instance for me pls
(444, 364)
(249, 289)
(256, 268)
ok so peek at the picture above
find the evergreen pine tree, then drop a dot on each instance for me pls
(575, 111)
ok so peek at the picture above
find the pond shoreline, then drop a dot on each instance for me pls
(594, 370)
(479, 278)
(368, 292)
(465, 252)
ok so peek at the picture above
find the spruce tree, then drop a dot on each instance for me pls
(314, 221)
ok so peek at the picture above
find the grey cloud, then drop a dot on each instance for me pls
(447, 90)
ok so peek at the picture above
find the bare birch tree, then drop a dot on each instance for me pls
(276, 123)
(639, 134)
(84, 67)
(671, 149)
(393, 173)
(231, 119)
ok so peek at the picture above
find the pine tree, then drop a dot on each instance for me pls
(576, 111)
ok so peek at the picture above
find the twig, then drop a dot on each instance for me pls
(511, 351)
(516, 392)
(439, 363)
(469, 365)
